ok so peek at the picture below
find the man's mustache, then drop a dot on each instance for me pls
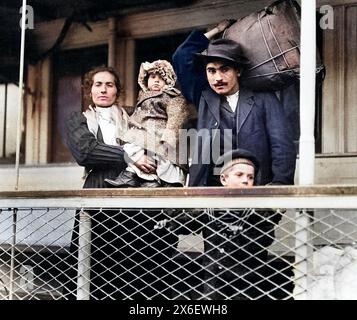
(219, 84)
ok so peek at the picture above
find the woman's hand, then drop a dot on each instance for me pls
(146, 164)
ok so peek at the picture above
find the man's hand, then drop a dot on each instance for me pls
(146, 164)
(221, 26)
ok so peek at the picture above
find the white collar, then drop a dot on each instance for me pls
(233, 100)
(104, 110)
(107, 125)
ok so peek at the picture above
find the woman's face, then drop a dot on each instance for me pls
(155, 82)
(104, 90)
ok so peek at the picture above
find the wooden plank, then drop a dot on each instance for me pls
(153, 23)
(37, 113)
(45, 123)
(187, 18)
(331, 170)
(263, 191)
(146, 24)
(29, 110)
(80, 37)
(341, 71)
(351, 79)
(45, 34)
(332, 126)
(32, 114)
(334, 2)
(130, 76)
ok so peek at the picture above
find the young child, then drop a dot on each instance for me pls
(154, 131)
(236, 241)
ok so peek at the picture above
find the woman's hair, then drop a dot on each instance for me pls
(88, 80)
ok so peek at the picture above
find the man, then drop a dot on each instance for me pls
(254, 121)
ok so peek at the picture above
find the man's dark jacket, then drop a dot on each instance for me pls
(262, 127)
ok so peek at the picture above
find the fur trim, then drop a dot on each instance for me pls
(162, 67)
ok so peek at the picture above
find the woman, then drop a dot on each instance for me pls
(121, 246)
(92, 136)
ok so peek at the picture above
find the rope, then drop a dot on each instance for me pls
(277, 43)
(278, 55)
(318, 70)
(266, 43)
(272, 73)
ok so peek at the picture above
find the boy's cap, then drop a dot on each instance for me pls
(236, 156)
(225, 49)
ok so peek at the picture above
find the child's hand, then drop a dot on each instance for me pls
(146, 164)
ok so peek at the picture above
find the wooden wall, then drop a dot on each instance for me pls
(339, 131)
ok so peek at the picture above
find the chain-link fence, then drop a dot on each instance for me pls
(173, 247)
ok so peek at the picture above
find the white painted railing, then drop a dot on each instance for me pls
(36, 230)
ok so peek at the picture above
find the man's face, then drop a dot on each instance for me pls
(222, 78)
(240, 175)
(104, 90)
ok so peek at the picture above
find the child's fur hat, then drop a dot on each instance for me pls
(162, 67)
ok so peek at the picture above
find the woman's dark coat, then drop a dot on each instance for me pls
(129, 257)
(100, 160)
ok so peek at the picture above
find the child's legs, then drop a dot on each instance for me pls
(170, 174)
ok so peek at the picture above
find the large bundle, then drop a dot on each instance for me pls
(270, 39)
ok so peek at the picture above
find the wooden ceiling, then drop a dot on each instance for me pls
(81, 11)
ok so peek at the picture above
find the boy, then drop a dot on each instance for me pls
(235, 241)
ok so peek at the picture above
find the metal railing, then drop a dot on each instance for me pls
(185, 243)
